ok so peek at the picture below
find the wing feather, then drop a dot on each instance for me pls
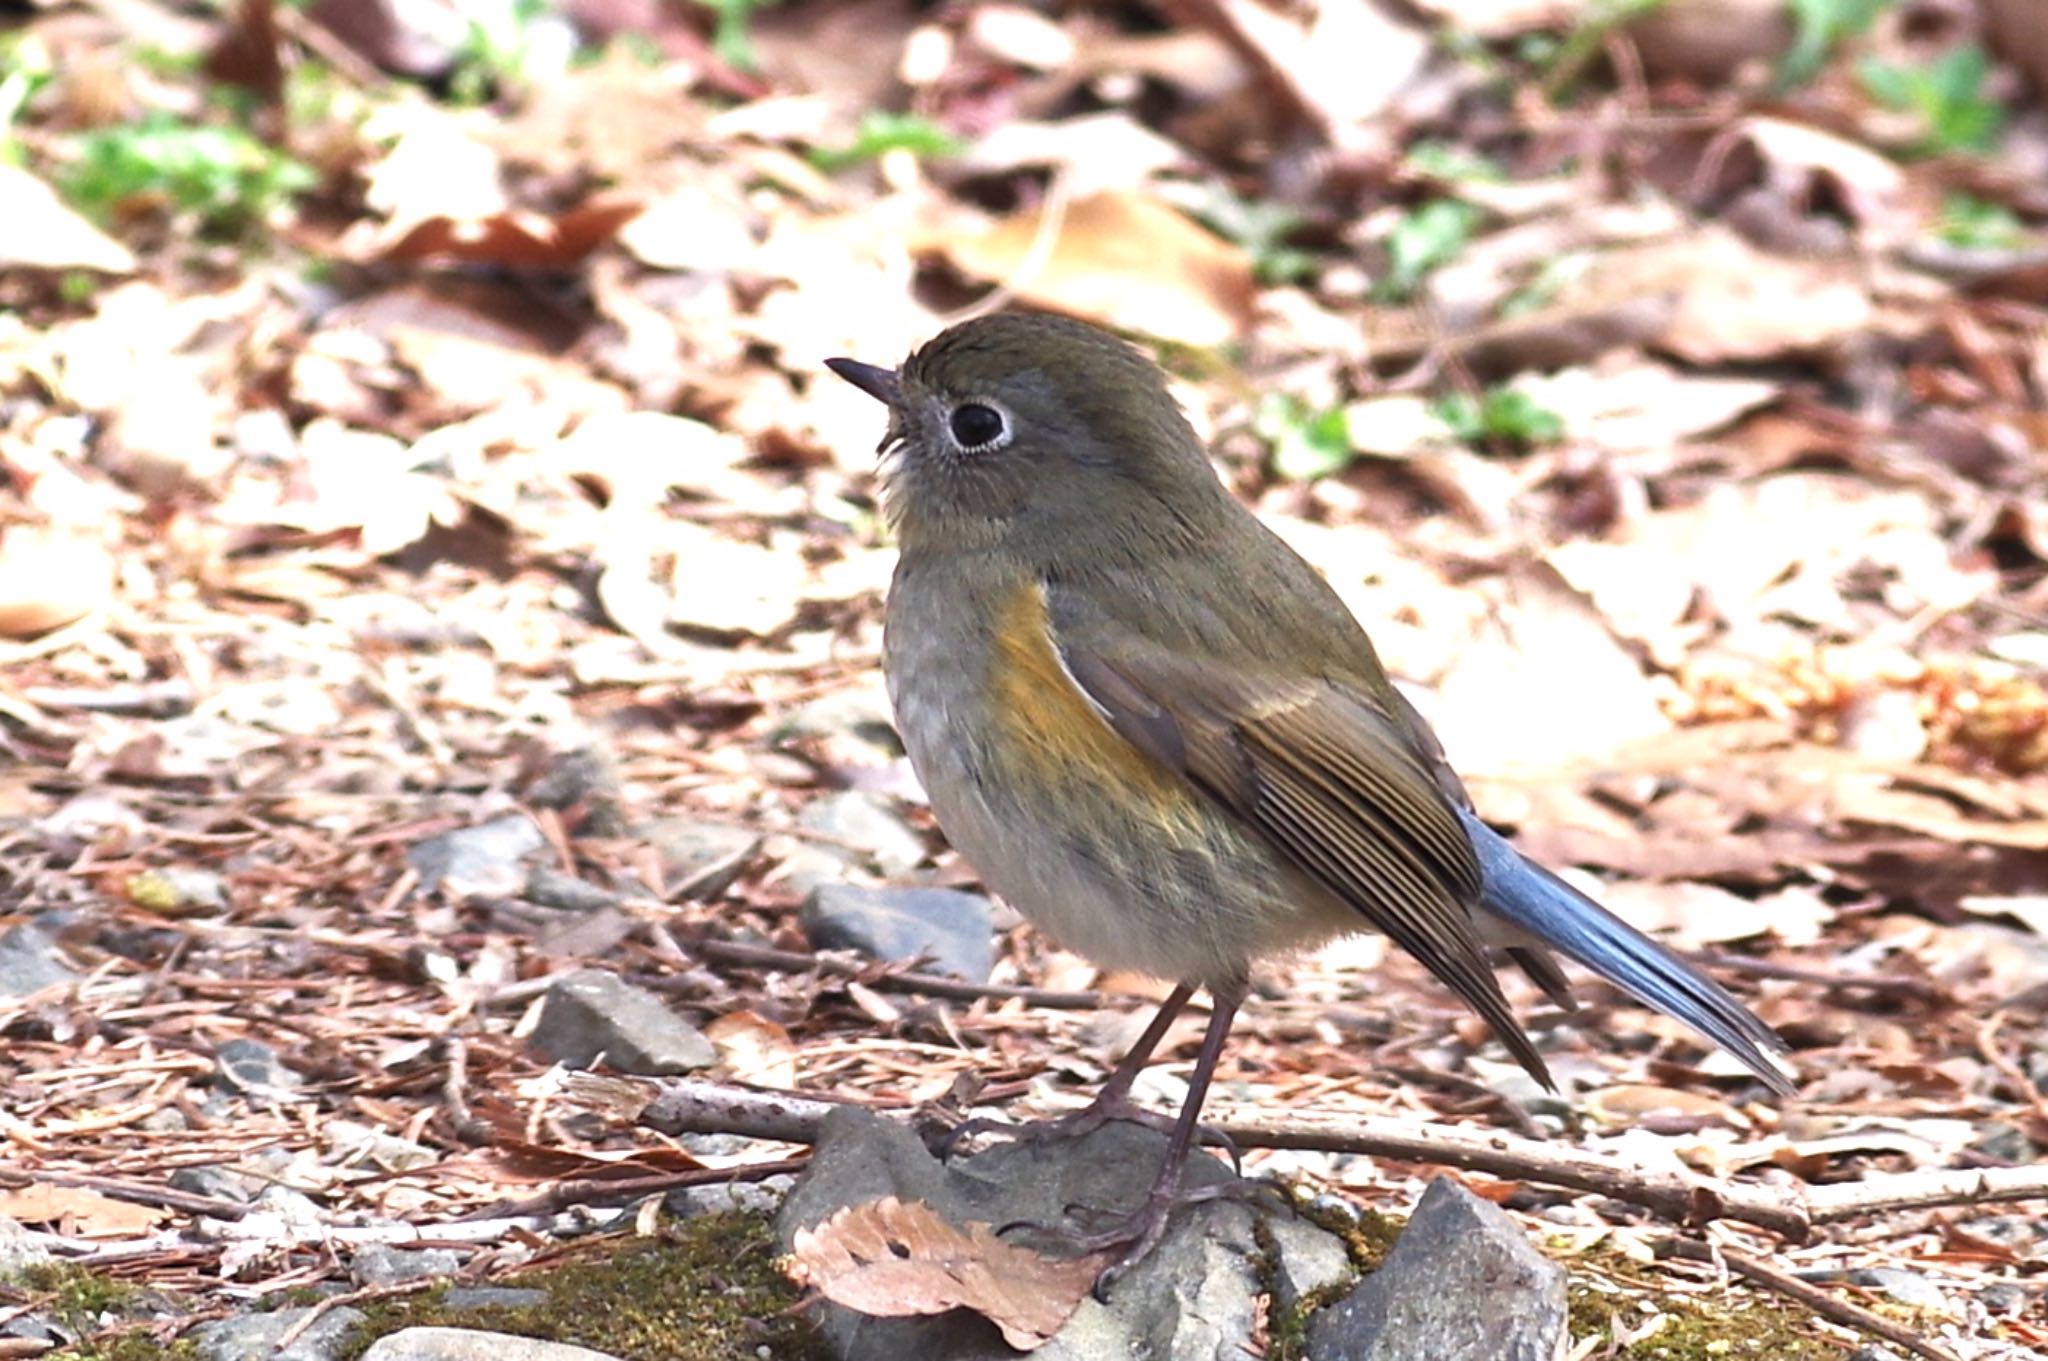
(1324, 776)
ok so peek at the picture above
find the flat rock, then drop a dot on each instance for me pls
(1463, 1283)
(868, 824)
(29, 961)
(592, 1013)
(487, 860)
(699, 859)
(254, 1337)
(1195, 1298)
(468, 1344)
(953, 928)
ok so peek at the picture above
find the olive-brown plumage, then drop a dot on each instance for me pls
(1156, 731)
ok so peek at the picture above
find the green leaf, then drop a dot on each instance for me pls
(1306, 445)
(1425, 240)
(881, 132)
(1502, 414)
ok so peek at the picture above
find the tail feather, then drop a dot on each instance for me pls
(1536, 901)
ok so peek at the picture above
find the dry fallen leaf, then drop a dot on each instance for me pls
(42, 233)
(1120, 258)
(50, 579)
(78, 1210)
(895, 1258)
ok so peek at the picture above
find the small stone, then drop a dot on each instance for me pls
(2004, 1297)
(549, 887)
(1196, 1297)
(485, 861)
(216, 1182)
(380, 1264)
(699, 859)
(861, 712)
(1305, 1259)
(592, 1013)
(252, 1068)
(858, 821)
(254, 1337)
(1909, 1288)
(29, 962)
(950, 927)
(1462, 1284)
(587, 776)
(471, 1344)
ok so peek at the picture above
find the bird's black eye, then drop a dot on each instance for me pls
(977, 425)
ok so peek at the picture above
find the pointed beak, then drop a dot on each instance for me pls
(878, 383)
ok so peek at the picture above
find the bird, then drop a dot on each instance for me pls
(1155, 731)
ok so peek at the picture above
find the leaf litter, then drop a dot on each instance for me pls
(1671, 416)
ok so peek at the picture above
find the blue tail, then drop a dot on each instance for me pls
(1530, 897)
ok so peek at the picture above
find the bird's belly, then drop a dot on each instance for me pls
(1131, 868)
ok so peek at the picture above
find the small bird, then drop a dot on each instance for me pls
(1155, 731)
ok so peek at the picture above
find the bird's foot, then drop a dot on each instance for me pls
(1136, 1233)
(1076, 1124)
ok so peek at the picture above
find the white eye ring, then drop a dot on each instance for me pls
(979, 425)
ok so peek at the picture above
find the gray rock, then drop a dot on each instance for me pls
(1909, 1288)
(1195, 1298)
(551, 888)
(253, 1068)
(470, 1298)
(860, 712)
(855, 820)
(465, 1344)
(29, 961)
(19, 1248)
(487, 860)
(586, 776)
(751, 1197)
(699, 859)
(951, 927)
(254, 1337)
(1306, 1258)
(217, 1181)
(380, 1264)
(2004, 1297)
(1462, 1284)
(591, 1013)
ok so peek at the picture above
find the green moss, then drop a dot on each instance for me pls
(708, 1290)
(87, 1303)
(1611, 1293)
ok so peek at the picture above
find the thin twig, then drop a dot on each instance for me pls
(607, 1191)
(1918, 989)
(1829, 1306)
(931, 985)
(691, 1106)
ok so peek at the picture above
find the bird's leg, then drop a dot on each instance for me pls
(1140, 1231)
(1112, 1102)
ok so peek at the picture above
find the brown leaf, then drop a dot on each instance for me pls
(1120, 258)
(76, 1209)
(893, 1258)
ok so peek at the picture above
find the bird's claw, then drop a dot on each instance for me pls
(1085, 1121)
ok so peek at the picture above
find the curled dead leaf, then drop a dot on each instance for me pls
(894, 1258)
